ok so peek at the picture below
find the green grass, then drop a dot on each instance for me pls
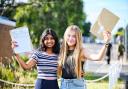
(29, 77)
(96, 85)
(103, 85)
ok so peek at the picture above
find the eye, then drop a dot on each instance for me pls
(46, 38)
(68, 35)
(52, 38)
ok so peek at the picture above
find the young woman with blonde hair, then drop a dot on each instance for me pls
(72, 57)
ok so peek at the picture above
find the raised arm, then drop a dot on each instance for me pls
(100, 55)
(24, 65)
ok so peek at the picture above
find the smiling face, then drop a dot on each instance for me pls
(49, 41)
(72, 41)
(71, 38)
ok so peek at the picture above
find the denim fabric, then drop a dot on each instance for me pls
(73, 84)
(46, 84)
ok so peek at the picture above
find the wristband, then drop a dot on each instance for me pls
(106, 44)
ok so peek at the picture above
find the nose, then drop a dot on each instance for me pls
(70, 38)
(49, 40)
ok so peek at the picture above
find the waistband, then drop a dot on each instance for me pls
(71, 80)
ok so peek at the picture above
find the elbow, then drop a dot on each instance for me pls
(99, 58)
(26, 68)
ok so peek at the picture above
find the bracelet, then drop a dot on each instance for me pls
(106, 44)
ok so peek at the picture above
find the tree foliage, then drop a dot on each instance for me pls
(56, 14)
(120, 31)
(86, 27)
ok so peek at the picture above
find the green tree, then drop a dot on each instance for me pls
(86, 27)
(120, 31)
(6, 8)
(57, 14)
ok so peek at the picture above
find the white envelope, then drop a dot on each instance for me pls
(106, 21)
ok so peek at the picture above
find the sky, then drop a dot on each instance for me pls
(92, 8)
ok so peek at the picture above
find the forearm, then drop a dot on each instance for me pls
(21, 62)
(102, 52)
(107, 36)
(99, 56)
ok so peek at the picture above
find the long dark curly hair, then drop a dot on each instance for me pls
(56, 47)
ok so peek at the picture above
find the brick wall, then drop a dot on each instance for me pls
(5, 41)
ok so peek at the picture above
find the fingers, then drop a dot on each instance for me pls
(14, 44)
(107, 33)
(13, 41)
(107, 36)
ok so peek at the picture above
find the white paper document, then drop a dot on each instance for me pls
(22, 37)
(106, 21)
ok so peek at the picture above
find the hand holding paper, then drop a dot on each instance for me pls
(21, 40)
(106, 36)
(14, 44)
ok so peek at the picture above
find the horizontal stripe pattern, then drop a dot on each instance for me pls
(46, 65)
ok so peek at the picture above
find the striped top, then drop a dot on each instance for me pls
(46, 65)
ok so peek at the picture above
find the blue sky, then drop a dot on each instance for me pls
(118, 7)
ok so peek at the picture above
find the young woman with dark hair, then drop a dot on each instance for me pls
(45, 58)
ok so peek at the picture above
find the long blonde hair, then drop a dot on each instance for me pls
(77, 50)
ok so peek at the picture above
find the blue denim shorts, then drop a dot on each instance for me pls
(46, 84)
(73, 84)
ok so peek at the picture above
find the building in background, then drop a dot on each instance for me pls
(5, 39)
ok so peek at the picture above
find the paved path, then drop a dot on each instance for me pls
(102, 66)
